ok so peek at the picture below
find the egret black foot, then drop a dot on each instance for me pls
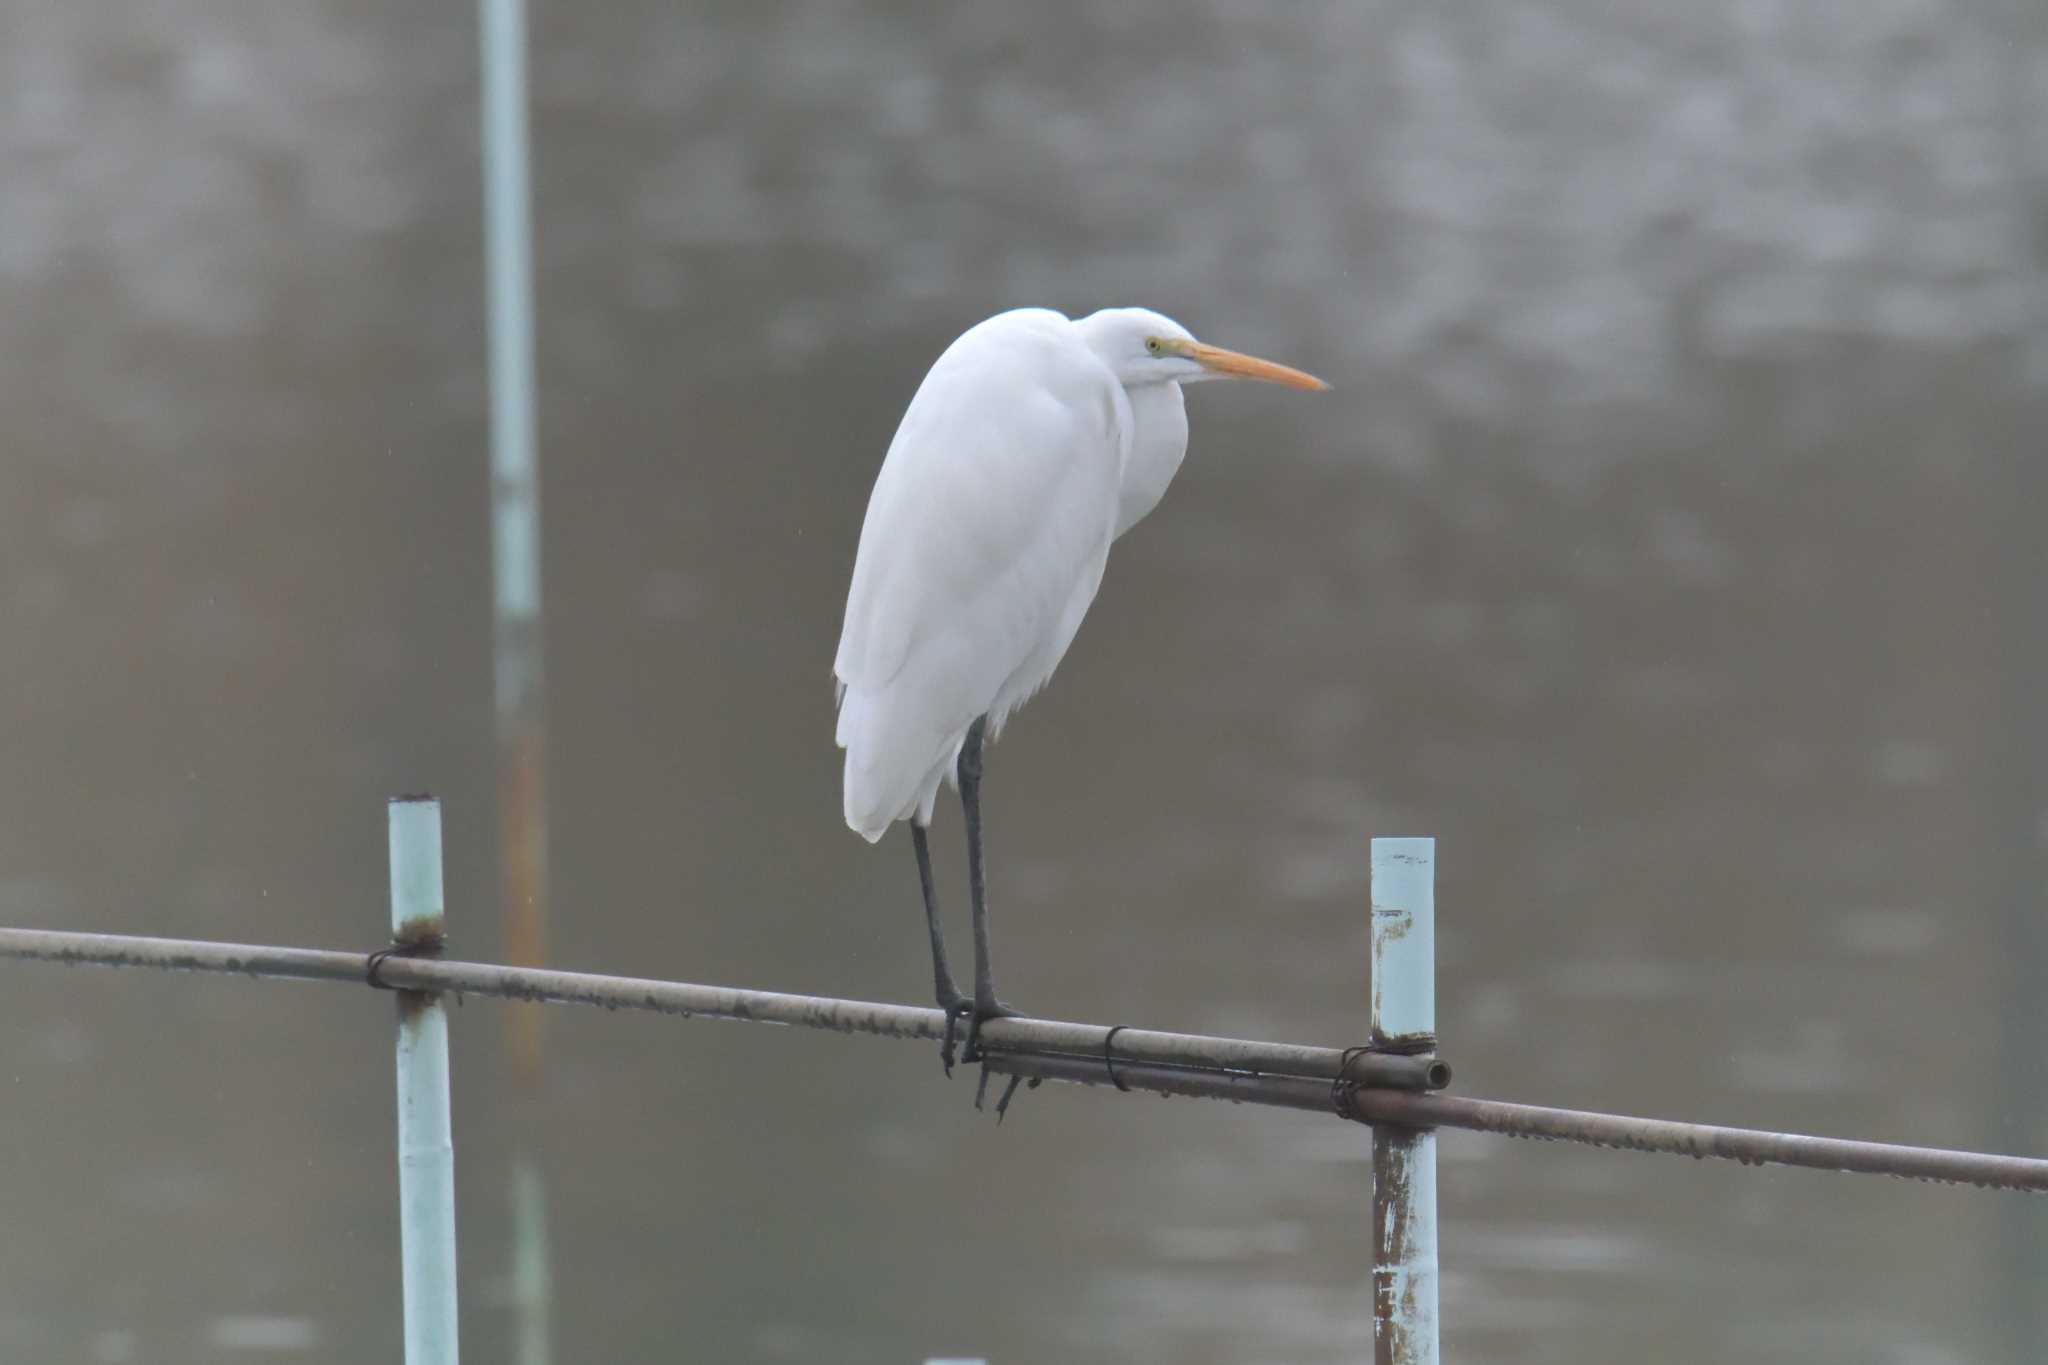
(970, 1047)
(1009, 1092)
(957, 1007)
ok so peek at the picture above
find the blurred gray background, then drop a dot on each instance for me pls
(1668, 549)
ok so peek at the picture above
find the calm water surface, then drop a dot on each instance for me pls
(1668, 549)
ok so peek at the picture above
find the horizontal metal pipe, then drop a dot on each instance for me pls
(1238, 1056)
(1367, 1099)
(1284, 1092)
(1042, 1036)
(1751, 1147)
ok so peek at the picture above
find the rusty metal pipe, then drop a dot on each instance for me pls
(1240, 1087)
(1751, 1147)
(1410, 1110)
(1044, 1036)
(1375, 1102)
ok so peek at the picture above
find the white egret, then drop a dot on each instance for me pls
(1033, 443)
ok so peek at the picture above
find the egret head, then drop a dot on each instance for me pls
(1144, 347)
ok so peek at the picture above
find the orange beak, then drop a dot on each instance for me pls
(1237, 366)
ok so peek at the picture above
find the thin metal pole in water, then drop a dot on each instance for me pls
(426, 1143)
(516, 632)
(1404, 1270)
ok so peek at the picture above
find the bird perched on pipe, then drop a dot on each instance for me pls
(1033, 443)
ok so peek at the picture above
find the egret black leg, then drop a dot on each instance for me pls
(950, 999)
(986, 1005)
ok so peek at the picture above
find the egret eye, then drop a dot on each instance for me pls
(1154, 345)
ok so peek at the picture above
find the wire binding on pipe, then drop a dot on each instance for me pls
(373, 964)
(1109, 1057)
(1342, 1087)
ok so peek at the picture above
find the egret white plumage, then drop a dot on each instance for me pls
(1032, 444)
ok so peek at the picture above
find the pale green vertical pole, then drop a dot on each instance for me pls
(1404, 1272)
(517, 636)
(508, 249)
(426, 1143)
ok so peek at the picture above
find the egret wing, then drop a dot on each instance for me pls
(984, 539)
